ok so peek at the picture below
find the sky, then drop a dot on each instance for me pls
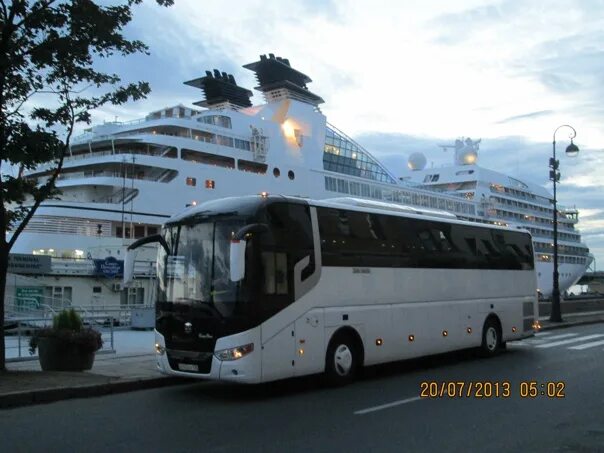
(404, 76)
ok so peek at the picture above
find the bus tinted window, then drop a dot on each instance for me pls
(350, 238)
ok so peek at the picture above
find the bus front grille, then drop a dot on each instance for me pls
(191, 361)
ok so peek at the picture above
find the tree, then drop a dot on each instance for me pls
(49, 82)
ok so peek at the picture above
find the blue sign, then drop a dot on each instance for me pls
(109, 267)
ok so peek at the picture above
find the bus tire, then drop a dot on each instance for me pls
(341, 360)
(491, 338)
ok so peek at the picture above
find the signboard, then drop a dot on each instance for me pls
(29, 296)
(109, 267)
(21, 263)
(175, 267)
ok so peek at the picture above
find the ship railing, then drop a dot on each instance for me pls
(518, 209)
(445, 192)
(522, 196)
(91, 135)
(561, 250)
(164, 175)
(130, 122)
(550, 236)
(116, 197)
(522, 220)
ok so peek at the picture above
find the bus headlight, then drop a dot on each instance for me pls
(234, 353)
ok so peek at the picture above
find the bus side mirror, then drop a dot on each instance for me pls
(237, 252)
(129, 267)
(237, 260)
(131, 254)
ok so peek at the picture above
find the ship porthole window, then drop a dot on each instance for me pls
(290, 175)
(276, 172)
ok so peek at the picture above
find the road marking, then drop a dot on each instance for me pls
(542, 334)
(387, 405)
(572, 340)
(559, 337)
(588, 345)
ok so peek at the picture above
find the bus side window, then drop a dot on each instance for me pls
(291, 226)
(275, 272)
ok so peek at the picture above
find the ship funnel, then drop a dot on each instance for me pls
(278, 80)
(221, 90)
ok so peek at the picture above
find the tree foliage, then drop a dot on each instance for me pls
(49, 82)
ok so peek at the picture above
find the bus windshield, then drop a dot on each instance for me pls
(195, 269)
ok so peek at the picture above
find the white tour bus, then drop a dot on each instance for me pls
(253, 289)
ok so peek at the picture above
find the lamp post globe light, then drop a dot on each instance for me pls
(554, 175)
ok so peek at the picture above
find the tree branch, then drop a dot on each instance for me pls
(4, 10)
(50, 184)
(18, 107)
(42, 7)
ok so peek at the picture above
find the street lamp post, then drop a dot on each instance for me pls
(554, 175)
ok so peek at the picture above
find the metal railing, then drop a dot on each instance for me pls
(17, 344)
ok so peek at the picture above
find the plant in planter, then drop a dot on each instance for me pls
(67, 345)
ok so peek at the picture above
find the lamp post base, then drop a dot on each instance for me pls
(555, 315)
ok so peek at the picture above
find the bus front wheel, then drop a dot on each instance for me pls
(491, 338)
(342, 360)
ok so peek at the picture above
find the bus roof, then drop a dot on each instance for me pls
(249, 204)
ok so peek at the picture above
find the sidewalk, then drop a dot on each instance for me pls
(131, 368)
(134, 369)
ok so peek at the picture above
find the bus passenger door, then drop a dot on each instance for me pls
(310, 343)
(278, 357)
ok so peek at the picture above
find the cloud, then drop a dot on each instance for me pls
(526, 116)
(403, 77)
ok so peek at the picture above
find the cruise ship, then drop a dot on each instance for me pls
(121, 181)
(504, 200)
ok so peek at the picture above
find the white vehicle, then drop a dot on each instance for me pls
(258, 288)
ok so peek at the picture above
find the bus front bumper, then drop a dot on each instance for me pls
(196, 365)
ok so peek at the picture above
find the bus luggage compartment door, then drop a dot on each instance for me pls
(310, 343)
(278, 355)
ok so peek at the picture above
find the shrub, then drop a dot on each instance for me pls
(67, 320)
(67, 327)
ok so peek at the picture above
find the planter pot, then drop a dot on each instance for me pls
(59, 355)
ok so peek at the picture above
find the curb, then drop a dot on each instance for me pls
(42, 396)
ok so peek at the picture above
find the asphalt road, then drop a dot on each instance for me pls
(380, 412)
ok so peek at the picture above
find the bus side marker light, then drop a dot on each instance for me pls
(469, 330)
(159, 349)
(445, 333)
(513, 330)
(411, 337)
(379, 342)
(301, 351)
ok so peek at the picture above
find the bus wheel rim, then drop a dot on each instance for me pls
(491, 338)
(343, 360)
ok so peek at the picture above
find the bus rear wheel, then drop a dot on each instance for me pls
(491, 338)
(341, 361)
